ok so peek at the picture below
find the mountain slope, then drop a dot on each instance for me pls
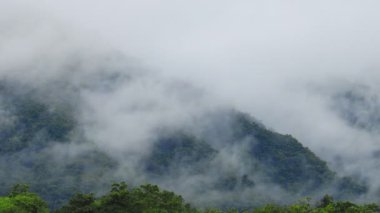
(279, 159)
(43, 144)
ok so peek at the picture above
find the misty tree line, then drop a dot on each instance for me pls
(151, 199)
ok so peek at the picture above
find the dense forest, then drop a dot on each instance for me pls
(151, 199)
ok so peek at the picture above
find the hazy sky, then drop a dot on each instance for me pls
(281, 61)
(266, 57)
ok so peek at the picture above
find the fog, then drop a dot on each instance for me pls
(280, 61)
(287, 63)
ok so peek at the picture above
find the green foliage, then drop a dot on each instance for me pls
(80, 203)
(7, 205)
(151, 199)
(270, 208)
(326, 205)
(145, 199)
(178, 150)
(34, 124)
(325, 201)
(20, 200)
(27, 141)
(282, 157)
(30, 202)
(18, 189)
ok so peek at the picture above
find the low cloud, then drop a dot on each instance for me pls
(130, 68)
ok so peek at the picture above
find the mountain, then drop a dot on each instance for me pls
(266, 157)
(43, 144)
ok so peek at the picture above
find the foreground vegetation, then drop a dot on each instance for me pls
(151, 199)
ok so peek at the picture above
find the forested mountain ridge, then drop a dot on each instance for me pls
(279, 159)
(233, 154)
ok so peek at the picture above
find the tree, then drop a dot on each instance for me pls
(325, 201)
(79, 203)
(20, 200)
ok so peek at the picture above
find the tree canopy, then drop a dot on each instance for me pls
(150, 198)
